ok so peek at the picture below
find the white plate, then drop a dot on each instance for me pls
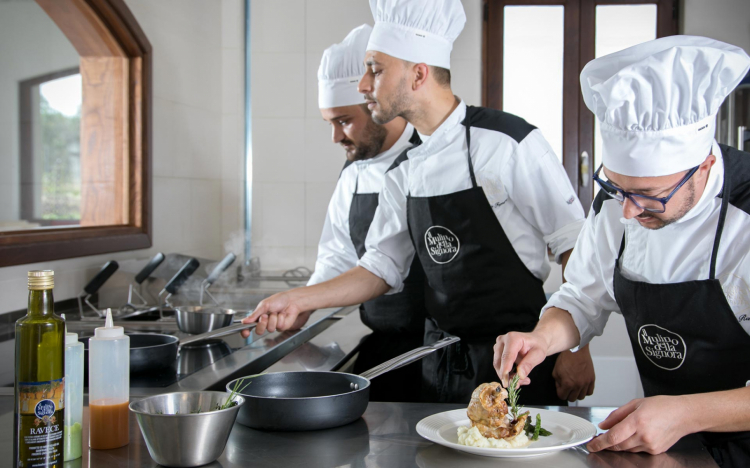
(567, 431)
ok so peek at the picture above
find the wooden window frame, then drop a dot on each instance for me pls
(116, 59)
(579, 49)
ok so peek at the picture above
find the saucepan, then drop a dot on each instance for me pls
(305, 401)
(149, 351)
(197, 317)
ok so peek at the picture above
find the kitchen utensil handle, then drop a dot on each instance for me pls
(220, 268)
(408, 358)
(149, 268)
(181, 276)
(100, 278)
(224, 331)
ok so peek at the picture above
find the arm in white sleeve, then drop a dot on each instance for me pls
(336, 252)
(389, 248)
(588, 294)
(541, 190)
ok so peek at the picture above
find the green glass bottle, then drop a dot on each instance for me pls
(40, 384)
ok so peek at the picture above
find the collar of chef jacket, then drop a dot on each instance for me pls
(436, 140)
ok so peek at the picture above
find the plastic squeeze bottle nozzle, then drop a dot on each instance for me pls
(109, 386)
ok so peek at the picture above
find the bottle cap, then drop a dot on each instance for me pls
(109, 330)
(40, 280)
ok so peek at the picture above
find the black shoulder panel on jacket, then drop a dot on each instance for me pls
(399, 159)
(346, 164)
(415, 140)
(598, 202)
(499, 121)
(737, 168)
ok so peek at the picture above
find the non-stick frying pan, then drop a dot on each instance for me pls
(305, 401)
(150, 351)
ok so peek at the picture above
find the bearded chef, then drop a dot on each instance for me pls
(666, 245)
(397, 320)
(478, 204)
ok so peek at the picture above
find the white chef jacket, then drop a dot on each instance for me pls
(523, 180)
(336, 252)
(675, 253)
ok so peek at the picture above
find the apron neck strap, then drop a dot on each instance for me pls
(726, 191)
(468, 156)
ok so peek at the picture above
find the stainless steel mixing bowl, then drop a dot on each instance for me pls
(177, 434)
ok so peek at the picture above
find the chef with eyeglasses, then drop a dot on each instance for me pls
(397, 320)
(478, 203)
(667, 245)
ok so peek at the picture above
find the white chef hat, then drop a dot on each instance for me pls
(341, 68)
(419, 31)
(657, 102)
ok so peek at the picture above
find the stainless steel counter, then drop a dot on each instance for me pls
(385, 437)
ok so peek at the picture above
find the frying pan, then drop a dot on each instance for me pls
(150, 351)
(306, 401)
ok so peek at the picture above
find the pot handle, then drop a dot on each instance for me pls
(224, 331)
(408, 358)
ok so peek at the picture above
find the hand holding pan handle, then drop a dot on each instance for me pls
(408, 358)
(149, 268)
(104, 274)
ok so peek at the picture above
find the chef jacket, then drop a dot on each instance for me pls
(675, 253)
(336, 252)
(523, 180)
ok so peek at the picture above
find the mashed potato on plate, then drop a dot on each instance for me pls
(473, 438)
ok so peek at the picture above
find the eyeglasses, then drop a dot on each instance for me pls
(646, 203)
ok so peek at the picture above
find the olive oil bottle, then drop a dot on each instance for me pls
(40, 383)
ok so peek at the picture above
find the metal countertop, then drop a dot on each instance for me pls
(384, 437)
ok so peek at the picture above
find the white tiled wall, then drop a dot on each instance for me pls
(198, 156)
(294, 162)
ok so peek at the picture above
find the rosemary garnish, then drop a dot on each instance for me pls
(238, 388)
(513, 392)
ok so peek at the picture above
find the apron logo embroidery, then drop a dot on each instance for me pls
(662, 347)
(442, 244)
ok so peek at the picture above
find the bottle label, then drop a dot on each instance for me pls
(41, 409)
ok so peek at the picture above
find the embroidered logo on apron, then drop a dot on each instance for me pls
(662, 347)
(442, 244)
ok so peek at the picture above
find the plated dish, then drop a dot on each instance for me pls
(567, 431)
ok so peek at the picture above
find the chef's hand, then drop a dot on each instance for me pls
(527, 350)
(574, 375)
(649, 425)
(278, 312)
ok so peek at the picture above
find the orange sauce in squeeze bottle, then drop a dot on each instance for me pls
(109, 386)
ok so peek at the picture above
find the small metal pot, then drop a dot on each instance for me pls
(201, 319)
(176, 434)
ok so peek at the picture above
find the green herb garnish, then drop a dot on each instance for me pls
(514, 391)
(238, 388)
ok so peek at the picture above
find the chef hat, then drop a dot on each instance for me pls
(419, 31)
(657, 102)
(341, 68)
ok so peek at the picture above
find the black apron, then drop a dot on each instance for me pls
(478, 288)
(687, 340)
(397, 320)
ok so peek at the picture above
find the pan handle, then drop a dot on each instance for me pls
(149, 268)
(101, 277)
(181, 276)
(408, 358)
(220, 268)
(224, 331)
